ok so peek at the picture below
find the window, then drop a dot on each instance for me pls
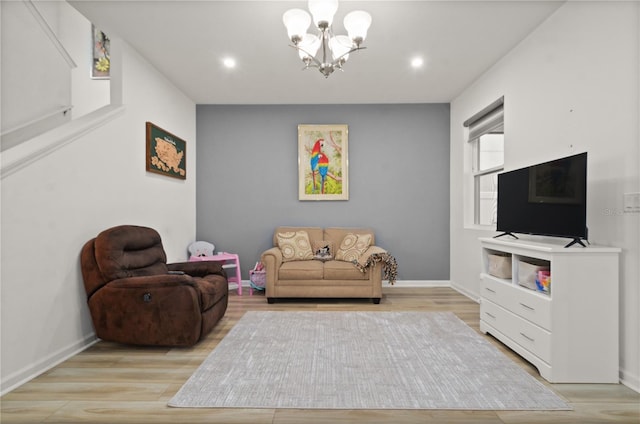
(486, 136)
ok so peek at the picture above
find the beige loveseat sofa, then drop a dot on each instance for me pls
(291, 272)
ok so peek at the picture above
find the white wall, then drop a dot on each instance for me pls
(51, 207)
(571, 86)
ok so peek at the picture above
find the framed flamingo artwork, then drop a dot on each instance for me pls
(323, 164)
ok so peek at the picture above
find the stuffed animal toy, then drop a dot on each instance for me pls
(324, 252)
(201, 248)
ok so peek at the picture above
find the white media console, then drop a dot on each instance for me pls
(569, 334)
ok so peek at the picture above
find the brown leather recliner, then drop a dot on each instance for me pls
(135, 297)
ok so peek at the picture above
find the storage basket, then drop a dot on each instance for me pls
(528, 272)
(257, 279)
(499, 265)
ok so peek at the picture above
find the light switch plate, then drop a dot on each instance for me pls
(632, 202)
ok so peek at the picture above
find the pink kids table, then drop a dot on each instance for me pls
(229, 259)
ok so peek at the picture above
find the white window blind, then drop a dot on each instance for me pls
(488, 120)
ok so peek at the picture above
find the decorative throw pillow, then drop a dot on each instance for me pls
(322, 249)
(295, 246)
(352, 246)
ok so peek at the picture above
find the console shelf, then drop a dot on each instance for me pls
(570, 334)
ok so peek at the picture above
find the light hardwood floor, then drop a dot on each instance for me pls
(111, 383)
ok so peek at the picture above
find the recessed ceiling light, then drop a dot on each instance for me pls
(229, 62)
(417, 62)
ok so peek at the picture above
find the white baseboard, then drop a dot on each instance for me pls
(30, 372)
(385, 283)
(416, 283)
(465, 292)
(631, 381)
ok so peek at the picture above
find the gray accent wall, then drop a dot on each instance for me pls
(247, 179)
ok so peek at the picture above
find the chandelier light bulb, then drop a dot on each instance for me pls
(308, 46)
(340, 46)
(323, 11)
(357, 23)
(296, 21)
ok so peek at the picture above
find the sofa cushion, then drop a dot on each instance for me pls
(336, 234)
(295, 246)
(339, 270)
(352, 246)
(302, 270)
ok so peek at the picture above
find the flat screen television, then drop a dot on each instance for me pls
(548, 199)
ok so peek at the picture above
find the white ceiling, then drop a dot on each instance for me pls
(186, 41)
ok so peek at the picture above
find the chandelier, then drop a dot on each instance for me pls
(334, 49)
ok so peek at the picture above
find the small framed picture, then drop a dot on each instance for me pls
(166, 153)
(101, 55)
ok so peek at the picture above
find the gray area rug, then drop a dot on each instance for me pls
(360, 360)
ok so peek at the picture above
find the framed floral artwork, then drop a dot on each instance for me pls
(101, 54)
(323, 165)
(166, 153)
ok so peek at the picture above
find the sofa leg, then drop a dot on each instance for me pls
(376, 300)
(271, 300)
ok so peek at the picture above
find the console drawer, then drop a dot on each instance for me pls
(527, 304)
(533, 307)
(531, 337)
(496, 291)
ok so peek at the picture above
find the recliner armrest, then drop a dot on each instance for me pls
(198, 269)
(152, 281)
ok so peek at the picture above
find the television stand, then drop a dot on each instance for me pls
(570, 332)
(506, 233)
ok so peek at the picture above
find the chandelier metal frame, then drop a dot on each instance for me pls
(337, 47)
